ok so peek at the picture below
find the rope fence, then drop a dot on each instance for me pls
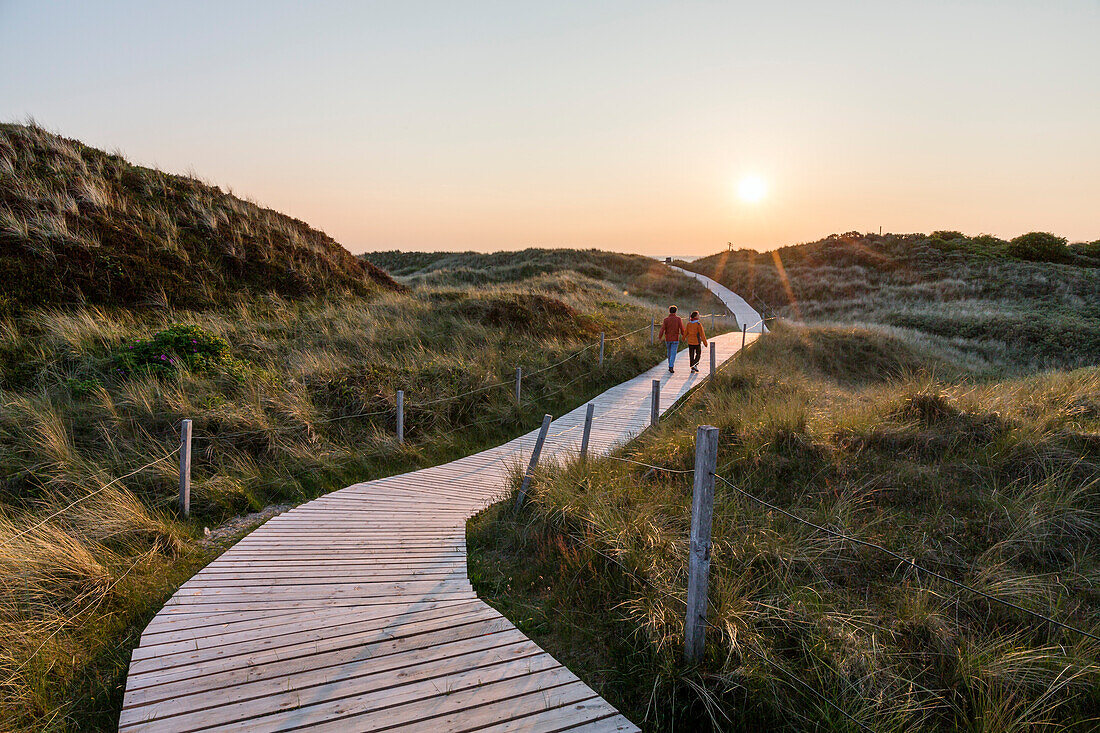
(184, 447)
(89, 495)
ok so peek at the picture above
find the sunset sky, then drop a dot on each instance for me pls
(652, 127)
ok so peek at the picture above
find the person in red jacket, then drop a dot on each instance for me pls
(696, 339)
(671, 330)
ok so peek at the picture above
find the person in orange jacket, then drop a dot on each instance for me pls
(696, 338)
(671, 330)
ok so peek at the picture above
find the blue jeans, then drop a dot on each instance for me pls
(673, 347)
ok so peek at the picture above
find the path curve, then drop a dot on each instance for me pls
(353, 612)
(737, 305)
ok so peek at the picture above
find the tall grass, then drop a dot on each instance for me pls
(994, 483)
(302, 405)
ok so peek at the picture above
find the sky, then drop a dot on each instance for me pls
(633, 126)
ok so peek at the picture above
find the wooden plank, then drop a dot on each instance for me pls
(444, 712)
(390, 702)
(219, 671)
(251, 700)
(351, 620)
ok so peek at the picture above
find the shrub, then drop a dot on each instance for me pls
(1087, 249)
(82, 388)
(1038, 246)
(192, 346)
(988, 245)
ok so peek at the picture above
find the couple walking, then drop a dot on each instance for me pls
(673, 328)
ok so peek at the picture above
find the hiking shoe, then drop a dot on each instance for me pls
(671, 370)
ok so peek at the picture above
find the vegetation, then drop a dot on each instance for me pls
(134, 299)
(289, 399)
(992, 482)
(79, 225)
(1000, 307)
(290, 380)
(638, 276)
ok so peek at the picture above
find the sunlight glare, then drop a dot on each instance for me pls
(751, 189)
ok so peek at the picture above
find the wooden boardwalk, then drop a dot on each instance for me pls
(353, 612)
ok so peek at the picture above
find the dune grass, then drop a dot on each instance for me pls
(289, 399)
(1007, 308)
(78, 224)
(992, 482)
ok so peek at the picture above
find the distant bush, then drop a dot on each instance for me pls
(190, 346)
(1086, 249)
(1038, 246)
(987, 245)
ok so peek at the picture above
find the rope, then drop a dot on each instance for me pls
(907, 561)
(459, 396)
(106, 486)
(624, 335)
(650, 465)
(427, 403)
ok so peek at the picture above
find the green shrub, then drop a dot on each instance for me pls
(1038, 246)
(191, 346)
(82, 388)
(1087, 249)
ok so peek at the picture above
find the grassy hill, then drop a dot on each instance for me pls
(1027, 304)
(80, 225)
(639, 276)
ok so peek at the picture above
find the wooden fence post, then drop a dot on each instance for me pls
(601, 347)
(652, 330)
(519, 381)
(744, 330)
(702, 511)
(534, 460)
(587, 431)
(401, 416)
(713, 359)
(185, 468)
(655, 403)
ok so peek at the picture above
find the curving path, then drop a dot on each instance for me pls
(353, 612)
(738, 306)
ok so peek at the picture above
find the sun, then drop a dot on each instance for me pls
(752, 189)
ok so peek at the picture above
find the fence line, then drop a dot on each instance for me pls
(89, 495)
(414, 405)
(907, 561)
(184, 503)
(646, 581)
(875, 546)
